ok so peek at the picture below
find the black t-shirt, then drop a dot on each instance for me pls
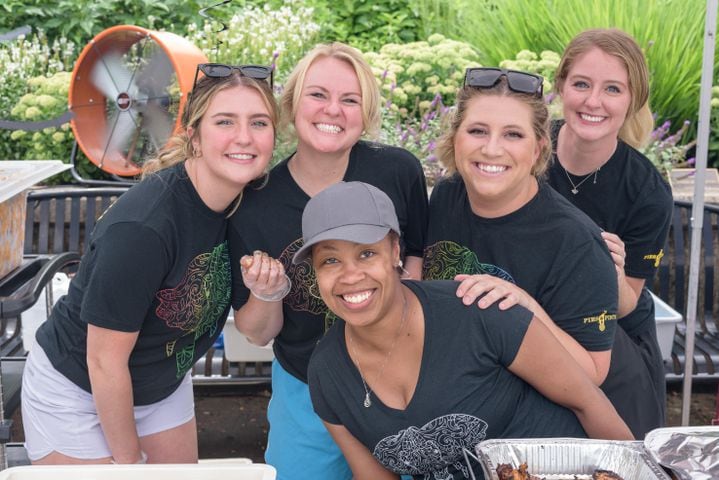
(632, 200)
(158, 263)
(548, 248)
(270, 219)
(464, 392)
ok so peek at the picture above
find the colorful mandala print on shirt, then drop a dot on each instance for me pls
(197, 303)
(436, 447)
(304, 295)
(445, 259)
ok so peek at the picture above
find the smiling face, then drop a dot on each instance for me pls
(596, 96)
(494, 150)
(329, 113)
(235, 138)
(358, 282)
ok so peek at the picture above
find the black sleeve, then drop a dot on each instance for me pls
(581, 295)
(644, 240)
(504, 331)
(130, 264)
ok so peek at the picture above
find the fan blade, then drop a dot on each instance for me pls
(154, 78)
(118, 136)
(158, 123)
(111, 77)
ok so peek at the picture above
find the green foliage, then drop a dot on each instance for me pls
(260, 35)
(527, 61)
(419, 136)
(713, 150)
(412, 74)
(47, 98)
(665, 150)
(438, 16)
(21, 60)
(80, 20)
(545, 65)
(670, 31)
(367, 24)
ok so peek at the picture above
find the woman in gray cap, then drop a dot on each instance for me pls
(413, 376)
(332, 100)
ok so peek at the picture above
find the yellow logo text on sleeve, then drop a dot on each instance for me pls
(601, 319)
(657, 257)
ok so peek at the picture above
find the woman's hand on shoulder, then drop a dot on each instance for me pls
(264, 276)
(489, 290)
(616, 250)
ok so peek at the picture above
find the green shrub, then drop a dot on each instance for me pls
(665, 149)
(260, 35)
(80, 20)
(713, 151)
(21, 60)
(412, 74)
(419, 136)
(527, 61)
(47, 98)
(367, 24)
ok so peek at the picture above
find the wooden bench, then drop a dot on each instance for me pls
(671, 284)
(60, 219)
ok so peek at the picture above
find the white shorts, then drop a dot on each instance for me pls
(57, 415)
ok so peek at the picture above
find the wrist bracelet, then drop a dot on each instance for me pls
(142, 460)
(277, 296)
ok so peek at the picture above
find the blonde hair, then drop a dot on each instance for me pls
(290, 99)
(179, 146)
(540, 124)
(639, 122)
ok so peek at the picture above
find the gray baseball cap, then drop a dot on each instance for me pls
(352, 211)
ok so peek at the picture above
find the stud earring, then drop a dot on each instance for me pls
(403, 271)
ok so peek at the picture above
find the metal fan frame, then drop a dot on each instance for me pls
(89, 124)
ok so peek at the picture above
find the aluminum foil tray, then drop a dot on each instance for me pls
(692, 453)
(569, 458)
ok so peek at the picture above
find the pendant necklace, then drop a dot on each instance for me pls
(367, 400)
(575, 187)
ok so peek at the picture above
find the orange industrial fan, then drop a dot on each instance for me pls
(127, 92)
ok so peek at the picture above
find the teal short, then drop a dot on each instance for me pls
(299, 446)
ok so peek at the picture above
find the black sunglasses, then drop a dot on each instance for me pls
(520, 82)
(220, 70)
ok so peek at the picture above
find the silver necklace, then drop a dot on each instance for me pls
(575, 187)
(367, 400)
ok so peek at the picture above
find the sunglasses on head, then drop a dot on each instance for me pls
(520, 82)
(220, 70)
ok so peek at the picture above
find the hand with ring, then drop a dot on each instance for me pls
(265, 277)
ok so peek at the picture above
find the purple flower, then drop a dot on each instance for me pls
(437, 99)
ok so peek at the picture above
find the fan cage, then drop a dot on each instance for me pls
(92, 110)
